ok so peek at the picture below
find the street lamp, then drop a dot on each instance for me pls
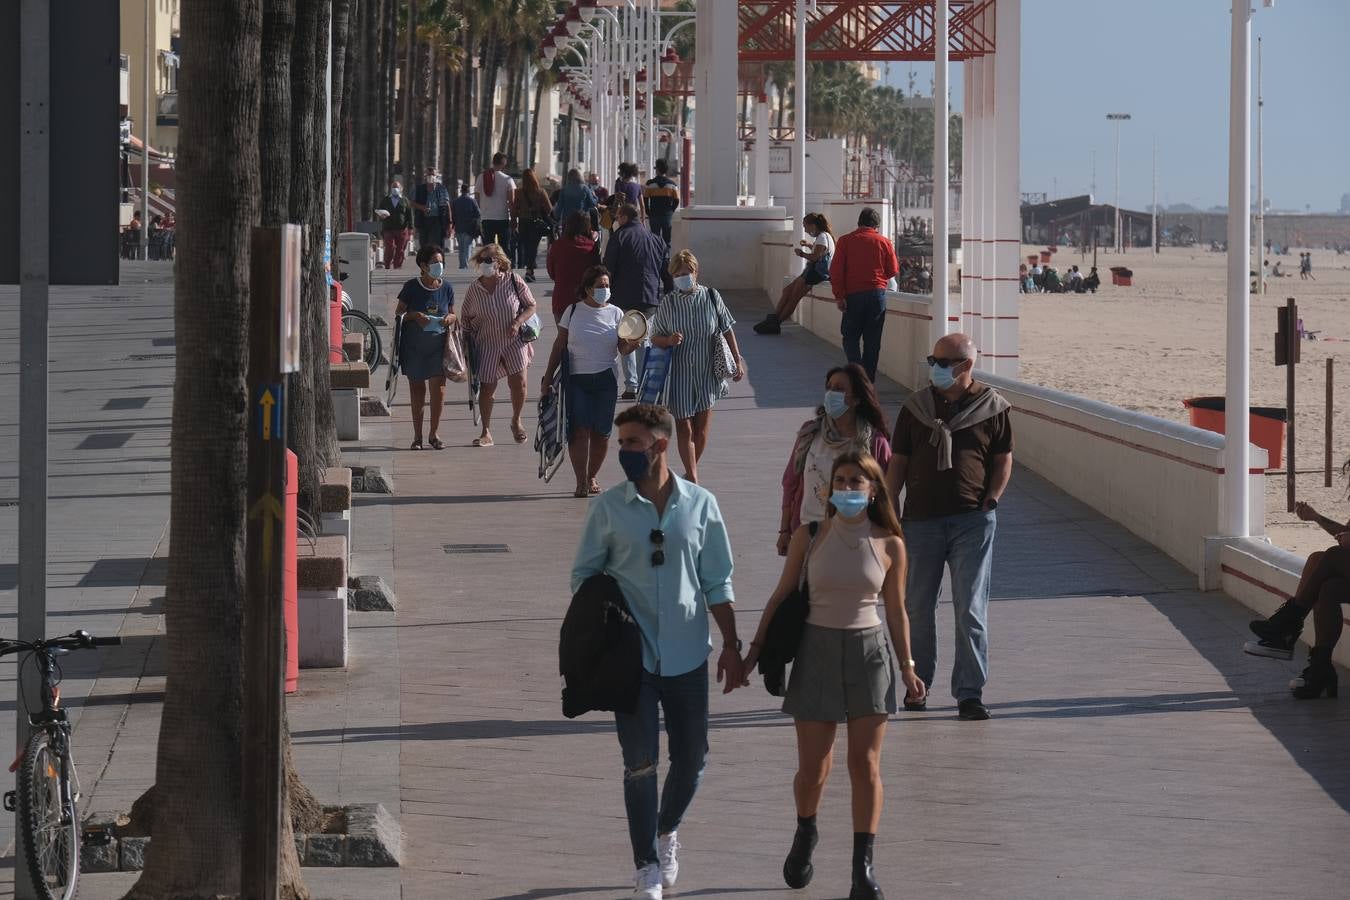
(586, 8)
(572, 21)
(669, 61)
(1118, 118)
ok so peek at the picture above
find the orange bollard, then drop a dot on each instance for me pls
(289, 568)
(335, 325)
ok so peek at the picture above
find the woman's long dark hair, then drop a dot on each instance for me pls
(881, 511)
(577, 225)
(869, 407)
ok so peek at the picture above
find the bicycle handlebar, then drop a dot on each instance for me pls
(79, 640)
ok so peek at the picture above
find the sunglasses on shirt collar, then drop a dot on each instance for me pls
(658, 538)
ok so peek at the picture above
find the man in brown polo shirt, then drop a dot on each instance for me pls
(953, 454)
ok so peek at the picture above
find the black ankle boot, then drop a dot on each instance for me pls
(1320, 676)
(1286, 622)
(864, 883)
(797, 868)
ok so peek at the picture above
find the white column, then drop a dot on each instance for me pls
(799, 117)
(1007, 234)
(761, 164)
(975, 191)
(715, 73)
(1236, 423)
(969, 178)
(1260, 180)
(941, 120)
(988, 198)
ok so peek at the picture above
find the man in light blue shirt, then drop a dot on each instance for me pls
(663, 540)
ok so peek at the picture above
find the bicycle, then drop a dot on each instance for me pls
(356, 322)
(47, 788)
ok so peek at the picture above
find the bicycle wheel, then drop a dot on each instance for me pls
(355, 322)
(48, 819)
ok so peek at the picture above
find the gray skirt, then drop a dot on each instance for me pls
(841, 674)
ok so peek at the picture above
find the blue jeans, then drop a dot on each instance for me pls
(965, 542)
(684, 699)
(660, 226)
(631, 366)
(864, 318)
(465, 242)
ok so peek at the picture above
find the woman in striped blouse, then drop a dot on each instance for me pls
(693, 320)
(497, 303)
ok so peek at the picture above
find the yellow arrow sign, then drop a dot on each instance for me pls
(271, 512)
(267, 402)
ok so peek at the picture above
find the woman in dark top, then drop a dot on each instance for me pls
(534, 217)
(426, 304)
(627, 186)
(568, 260)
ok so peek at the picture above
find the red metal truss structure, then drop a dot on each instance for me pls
(864, 30)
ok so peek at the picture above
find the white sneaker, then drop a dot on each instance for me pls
(647, 883)
(667, 846)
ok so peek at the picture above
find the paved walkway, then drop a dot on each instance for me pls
(1135, 753)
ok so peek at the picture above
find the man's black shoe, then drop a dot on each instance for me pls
(629, 395)
(770, 325)
(972, 711)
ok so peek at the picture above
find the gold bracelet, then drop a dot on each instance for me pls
(906, 663)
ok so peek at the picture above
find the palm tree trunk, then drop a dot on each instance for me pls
(390, 60)
(405, 86)
(197, 820)
(533, 144)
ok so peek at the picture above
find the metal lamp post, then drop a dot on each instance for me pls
(1118, 118)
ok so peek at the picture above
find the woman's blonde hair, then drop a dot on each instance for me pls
(499, 256)
(685, 258)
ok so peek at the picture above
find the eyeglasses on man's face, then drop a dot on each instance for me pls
(943, 363)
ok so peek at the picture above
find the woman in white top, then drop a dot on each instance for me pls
(817, 254)
(588, 333)
(843, 671)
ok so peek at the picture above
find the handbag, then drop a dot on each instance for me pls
(529, 332)
(455, 362)
(723, 362)
(784, 633)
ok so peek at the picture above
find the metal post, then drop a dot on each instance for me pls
(941, 173)
(1260, 186)
(274, 315)
(34, 140)
(1236, 487)
(799, 117)
(1291, 354)
(1120, 245)
(1154, 237)
(145, 142)
(1331, 392)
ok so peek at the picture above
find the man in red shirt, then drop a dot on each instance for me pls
(864, 260)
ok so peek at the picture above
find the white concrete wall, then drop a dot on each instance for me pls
(726, 240)
(1162, 480)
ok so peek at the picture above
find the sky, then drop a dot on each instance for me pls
(1166, 62)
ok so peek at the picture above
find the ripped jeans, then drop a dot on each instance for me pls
(684, 699)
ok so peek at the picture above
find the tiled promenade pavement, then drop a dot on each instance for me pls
(1135, 751)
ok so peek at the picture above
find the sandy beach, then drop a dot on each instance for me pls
(1148, 346)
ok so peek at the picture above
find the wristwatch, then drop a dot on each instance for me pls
(992, 503)
(738, 645)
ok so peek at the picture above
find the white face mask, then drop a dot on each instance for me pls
(600, 295)
(487, 269)
(684, 282)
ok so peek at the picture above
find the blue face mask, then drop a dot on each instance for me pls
(635, 463)
(836, 405)
(849, 503)
(436, 270)
(684, 282)
(942, 379)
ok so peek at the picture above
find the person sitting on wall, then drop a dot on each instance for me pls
(1323, 586)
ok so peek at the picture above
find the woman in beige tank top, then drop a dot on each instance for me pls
(843, 669)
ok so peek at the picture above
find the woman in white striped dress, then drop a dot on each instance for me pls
(495, 306)
(692, 319)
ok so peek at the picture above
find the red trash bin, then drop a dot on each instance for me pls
(1267, 424)
(335, 325)
(289, 581)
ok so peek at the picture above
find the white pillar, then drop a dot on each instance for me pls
(969, 178)
(1006, 236)
(761, 165)
(977, 197)
(1236, 423)
(941, 169)
(715, 73)
(1260, 180)
(799, 118)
